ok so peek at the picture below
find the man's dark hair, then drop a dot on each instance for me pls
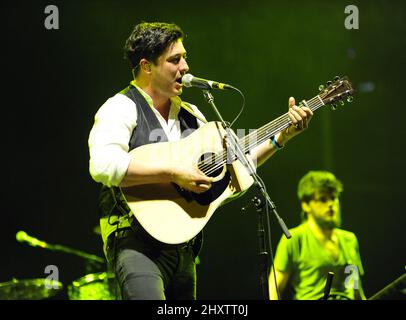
(149, 40)
(317, 181)
(322, 181)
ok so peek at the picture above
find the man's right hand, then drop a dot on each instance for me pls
(191, 179)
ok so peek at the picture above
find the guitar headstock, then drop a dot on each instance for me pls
(336, 91)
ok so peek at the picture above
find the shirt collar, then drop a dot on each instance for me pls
(175, 101)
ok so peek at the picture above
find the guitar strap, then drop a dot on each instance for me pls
(189, 109)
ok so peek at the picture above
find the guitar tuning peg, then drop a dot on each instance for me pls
(329, 83)
(333, 106)
(321, 87)
(350, 99)
(336, 78)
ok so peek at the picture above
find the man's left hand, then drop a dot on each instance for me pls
(300, 118)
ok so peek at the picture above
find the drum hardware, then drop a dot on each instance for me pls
(29, 289)
(96, 286)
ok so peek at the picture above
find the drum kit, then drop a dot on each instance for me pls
(93, 286)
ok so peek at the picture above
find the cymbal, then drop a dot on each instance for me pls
(29, 289)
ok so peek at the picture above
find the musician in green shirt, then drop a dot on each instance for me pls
(318, 246)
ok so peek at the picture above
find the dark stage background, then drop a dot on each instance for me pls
(55, 80)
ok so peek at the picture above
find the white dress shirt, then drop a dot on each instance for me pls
(113, 126)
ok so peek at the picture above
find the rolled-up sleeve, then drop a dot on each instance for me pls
(108, 140)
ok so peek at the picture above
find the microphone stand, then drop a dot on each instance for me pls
(327, 287)
(262, 252)
(232, 142)
(57, 247)
(84, 255)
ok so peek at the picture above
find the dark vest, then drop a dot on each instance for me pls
(148, 130)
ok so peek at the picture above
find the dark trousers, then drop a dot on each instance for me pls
(146, 270)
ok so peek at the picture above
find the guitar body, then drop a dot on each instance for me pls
(171, 214)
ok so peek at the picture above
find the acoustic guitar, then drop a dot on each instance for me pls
(173, 215)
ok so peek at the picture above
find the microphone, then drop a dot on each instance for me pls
(22, 236)
(189, 81)
(327, 287)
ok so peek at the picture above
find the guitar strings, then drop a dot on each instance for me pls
(283, 118)
(264, 132)
(260, 135)
(277, 125)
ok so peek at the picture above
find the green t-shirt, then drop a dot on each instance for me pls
(308, 264)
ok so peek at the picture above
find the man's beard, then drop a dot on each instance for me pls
(329, 224)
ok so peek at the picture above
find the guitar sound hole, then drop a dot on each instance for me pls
(207, 164)
(210, 164)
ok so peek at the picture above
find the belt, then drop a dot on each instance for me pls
(141, 235)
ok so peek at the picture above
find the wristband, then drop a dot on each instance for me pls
(276, 144)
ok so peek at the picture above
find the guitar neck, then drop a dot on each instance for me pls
(264, 133)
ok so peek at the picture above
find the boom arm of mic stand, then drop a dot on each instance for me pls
(76, 252)
(22, 236)
(87, 256)
(248, 165)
